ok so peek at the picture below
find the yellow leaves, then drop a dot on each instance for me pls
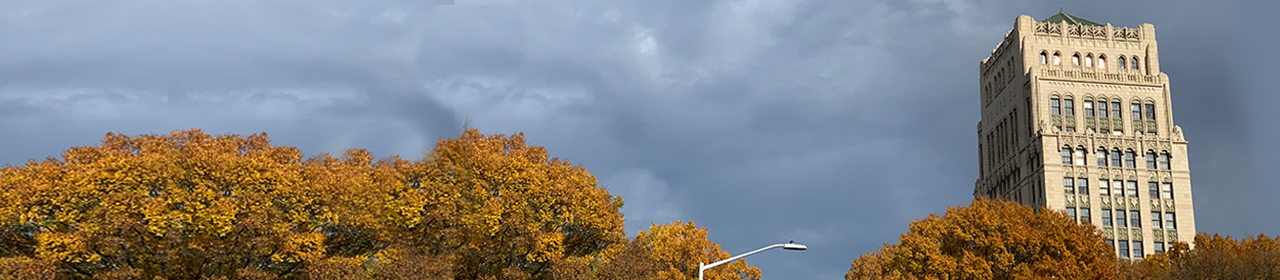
(64, 247)
(188, 205)
(991, 240)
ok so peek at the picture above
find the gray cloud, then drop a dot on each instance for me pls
(833, 123)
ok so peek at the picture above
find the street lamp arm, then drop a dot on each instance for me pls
(714, 264)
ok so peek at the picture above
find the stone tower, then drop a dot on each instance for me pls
(1076, 117)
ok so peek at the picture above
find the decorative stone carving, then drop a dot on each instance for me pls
(1168, 205)
(1117, 203)
(1106, 203)
(1070, 201)
(1137, 234)
(1133, 203)
(1157, 235)
(1177, 133)
(1155, 205)
(1110, 233)
(1172, 236)
(1122, 234)
(1083, 201)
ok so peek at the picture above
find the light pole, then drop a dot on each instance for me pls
(789, 246)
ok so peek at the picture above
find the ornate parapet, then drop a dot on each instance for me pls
(1128, 78)
(1092, 32)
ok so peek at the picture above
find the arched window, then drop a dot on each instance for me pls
(1079, 155)
(1149, 110)
(1151, 159)
(1102, 156)
(1102, 62)
(1102, 107)
(1088, 107)
(1115, 157)
(1088, 61)
(1044, 58)
(1057, 58)
(1164, 160)
(1115, 108)
(1075, 60)
(1054, 107)
(1136, 109)
(1129, 159)
(1135, 63)
(1068, 107)
(1066, 155)
(1121, 62)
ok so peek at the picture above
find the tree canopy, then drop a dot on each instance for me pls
(194, 206)
(1214, 257)
(992, 239)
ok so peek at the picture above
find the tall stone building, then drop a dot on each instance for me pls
(1077, 117)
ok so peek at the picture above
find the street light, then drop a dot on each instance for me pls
(789, 246)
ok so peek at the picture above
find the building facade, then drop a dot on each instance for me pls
(1077, 117)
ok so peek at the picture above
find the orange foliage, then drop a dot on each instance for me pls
(1214, 257)
(992, 239)
(194, 206)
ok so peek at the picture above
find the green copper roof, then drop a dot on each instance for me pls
(1061, 16)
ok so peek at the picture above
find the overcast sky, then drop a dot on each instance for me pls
(831, 123)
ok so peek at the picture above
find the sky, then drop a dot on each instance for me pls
(831, 123)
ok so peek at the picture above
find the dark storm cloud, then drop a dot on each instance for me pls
(833, 123)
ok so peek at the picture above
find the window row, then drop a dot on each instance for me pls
(1138, 111)
(1133, 61)
(1137, 247)
(1114, 158)
(1167, 220)
(1118, 188)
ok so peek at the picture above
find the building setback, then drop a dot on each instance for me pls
(1076, 117)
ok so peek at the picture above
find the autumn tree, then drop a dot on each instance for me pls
(1214, 257)
(193, 206)
(664, 251)
(992, 239)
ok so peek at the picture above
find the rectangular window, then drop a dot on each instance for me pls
(1102, 109)
(1131, 188)
(1115, 109)
(1117, 188)
(1066, 155)
(1137, 249)
(1104, 131)
(1169, 222)
(1053, 107)
(1153, 190)
(1069, 107)
(1155, 219)
(1166, 190)
(1071, 213)
(1106, 217)
(1164, 161)
(1129, 159)
(1104, 188)
(1067, 187)
(1115, 158)
(1082, 186)
(1124, 248)
(1137, 111)
(1120, 219)
(1135, 220)
(1151, 160)
(1070, 129)
(1088, 108)
(1151, 134)
(1085, 215)
(1151, 111)
(1102, 157)
(1159, 247)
